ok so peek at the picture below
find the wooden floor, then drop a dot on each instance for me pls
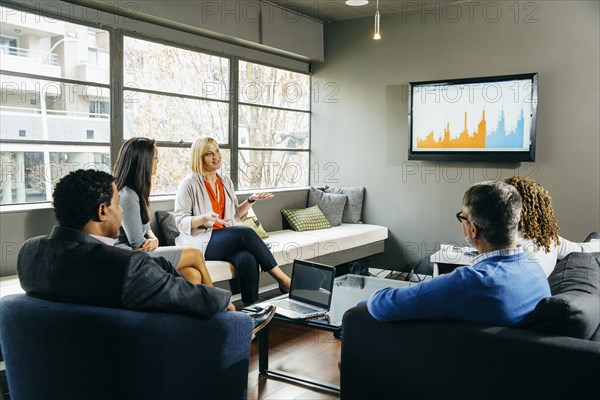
(301, 351)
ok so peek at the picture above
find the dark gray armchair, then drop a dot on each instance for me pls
(71, 352)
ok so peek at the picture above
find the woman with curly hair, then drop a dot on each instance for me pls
(538, 229)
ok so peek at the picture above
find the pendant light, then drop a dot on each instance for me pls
(377, 35)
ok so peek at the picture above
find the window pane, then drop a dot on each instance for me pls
(47, 110)
(264, 127)
(174, 119)
(174, 165)
(38, 44)
(272, 169)
(155, 66)
(30, 176)
(275, 87)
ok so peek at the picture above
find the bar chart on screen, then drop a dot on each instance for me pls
(487, 116)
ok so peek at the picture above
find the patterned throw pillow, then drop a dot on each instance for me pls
(254, 223)
(307, 219)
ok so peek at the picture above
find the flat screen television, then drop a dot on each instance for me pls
(473, 119)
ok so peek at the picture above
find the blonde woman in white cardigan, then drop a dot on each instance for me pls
(206, 213)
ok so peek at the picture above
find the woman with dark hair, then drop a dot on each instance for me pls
(538, 228)
(134, 168)
(206, 213)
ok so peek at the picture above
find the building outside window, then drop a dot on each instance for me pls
(8, 45)
(47, 93)
(99, 109)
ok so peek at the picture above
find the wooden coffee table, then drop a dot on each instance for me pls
(348, 290)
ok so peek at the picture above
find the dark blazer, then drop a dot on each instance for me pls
(74, 267)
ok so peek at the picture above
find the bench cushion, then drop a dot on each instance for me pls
(220, 270)
(288, 245)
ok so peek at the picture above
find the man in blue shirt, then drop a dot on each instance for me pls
(500, 287)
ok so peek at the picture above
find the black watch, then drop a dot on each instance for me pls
(250, 201)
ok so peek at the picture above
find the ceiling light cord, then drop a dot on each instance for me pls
(377, 35)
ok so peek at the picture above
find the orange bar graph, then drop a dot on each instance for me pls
(465, 140)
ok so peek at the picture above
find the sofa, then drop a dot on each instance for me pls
(68, 351)
(554, 355)
(344, 242)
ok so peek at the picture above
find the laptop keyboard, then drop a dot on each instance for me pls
(294, 306)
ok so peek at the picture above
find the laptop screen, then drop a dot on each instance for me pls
(312, 283)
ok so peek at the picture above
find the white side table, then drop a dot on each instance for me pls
(453, 255)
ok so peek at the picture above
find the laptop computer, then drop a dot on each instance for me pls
(310, 293)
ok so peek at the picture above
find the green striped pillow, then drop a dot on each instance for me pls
(307, 219)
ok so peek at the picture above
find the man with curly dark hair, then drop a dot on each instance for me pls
(538, 228)
(78, 195)
(77, 262)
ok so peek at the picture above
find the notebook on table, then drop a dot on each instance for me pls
(310, 293)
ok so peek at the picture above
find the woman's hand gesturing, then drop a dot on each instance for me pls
(260, 196)
(212, 217)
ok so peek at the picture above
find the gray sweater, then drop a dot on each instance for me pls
(133, 233)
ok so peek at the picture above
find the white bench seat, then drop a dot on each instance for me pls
(287, 245)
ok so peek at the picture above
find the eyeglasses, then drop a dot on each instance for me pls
(212, 153)
(461, 218)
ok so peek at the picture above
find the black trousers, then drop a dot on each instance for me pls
(243, 248)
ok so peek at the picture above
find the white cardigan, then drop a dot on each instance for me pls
(557, 252)
(192, 200)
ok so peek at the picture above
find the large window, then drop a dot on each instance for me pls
(51, 119)
(274, 121)
(57, 115)
(174, 95)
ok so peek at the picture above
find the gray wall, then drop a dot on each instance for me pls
(362, 126)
